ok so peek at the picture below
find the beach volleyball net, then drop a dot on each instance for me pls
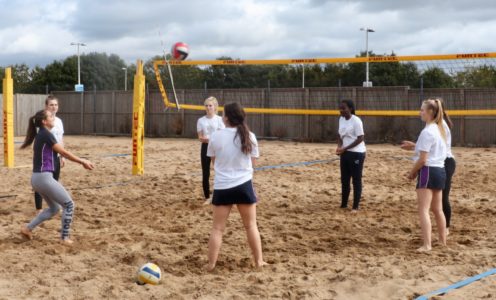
(400, 82)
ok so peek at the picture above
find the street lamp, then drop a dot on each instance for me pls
(367, 83)
(125, 79)
(79, 61)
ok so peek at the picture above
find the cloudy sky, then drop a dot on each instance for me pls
(37, 34)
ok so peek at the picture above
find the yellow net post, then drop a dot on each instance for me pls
(138, 120)
(8, 119)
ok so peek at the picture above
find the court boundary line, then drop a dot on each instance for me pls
(457, 285)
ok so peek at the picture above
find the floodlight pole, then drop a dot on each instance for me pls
(303, 76)
(79, 61)
(125, 79)
(367, 30)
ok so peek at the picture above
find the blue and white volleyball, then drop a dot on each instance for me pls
(149, 273)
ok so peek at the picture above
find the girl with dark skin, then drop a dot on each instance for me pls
(351, 149)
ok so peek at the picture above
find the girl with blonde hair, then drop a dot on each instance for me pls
(205, 126)
(430, 154)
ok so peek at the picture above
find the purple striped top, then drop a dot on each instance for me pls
(44, 156)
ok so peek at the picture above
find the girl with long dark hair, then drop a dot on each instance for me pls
(233, 151)
(52, 105)
(45, 151)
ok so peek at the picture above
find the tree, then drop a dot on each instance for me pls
(483, 76)
(102, 71)
(437, 78)
(21, 77)
(333, 73)
(62, 75)
(394, 74)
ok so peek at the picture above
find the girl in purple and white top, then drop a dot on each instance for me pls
(52, 104)
(46, 148)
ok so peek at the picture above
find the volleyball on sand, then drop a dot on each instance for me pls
(149, 273)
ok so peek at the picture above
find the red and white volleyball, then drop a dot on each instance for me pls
(180, 51)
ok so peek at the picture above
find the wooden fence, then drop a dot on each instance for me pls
(110, 112)
(25, 105)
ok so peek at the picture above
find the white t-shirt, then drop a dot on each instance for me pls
(207, 126)
(232, 167)
(58, 130)
(349, 131)
(431, 141)
(448, 140)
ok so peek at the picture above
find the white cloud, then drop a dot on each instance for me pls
(39, 33)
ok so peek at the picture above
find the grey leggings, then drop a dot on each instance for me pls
(55, 195)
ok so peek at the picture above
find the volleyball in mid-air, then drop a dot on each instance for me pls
(180, 51)
(149, 273)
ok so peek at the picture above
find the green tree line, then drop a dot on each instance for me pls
(105, 72)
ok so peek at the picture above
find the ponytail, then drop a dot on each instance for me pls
(435, 106)
(244, 136)
(445, 114)
(448, 120)
(236, 117)
(439, 118)
(34, 122)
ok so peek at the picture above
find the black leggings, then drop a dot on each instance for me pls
(351, 164)
(450, 166)
(38, 200)
(205, 163)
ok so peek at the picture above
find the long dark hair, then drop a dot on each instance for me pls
(34, 122)
(235, 115)
(350, 104)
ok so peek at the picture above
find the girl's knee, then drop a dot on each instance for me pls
(54, 210)
(218, 228)
(437, 211)
(250, 226)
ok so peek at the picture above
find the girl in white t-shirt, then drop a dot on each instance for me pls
(52, 105)
(351, 149)
(430, 154)
(233, 151)
(449, 164)
(205, 126)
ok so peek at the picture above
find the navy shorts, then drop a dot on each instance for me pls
(433, 178)
(241, 194)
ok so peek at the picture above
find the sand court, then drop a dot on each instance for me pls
(315, 249)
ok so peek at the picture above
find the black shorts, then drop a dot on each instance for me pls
(241, 194)
(433, 178)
